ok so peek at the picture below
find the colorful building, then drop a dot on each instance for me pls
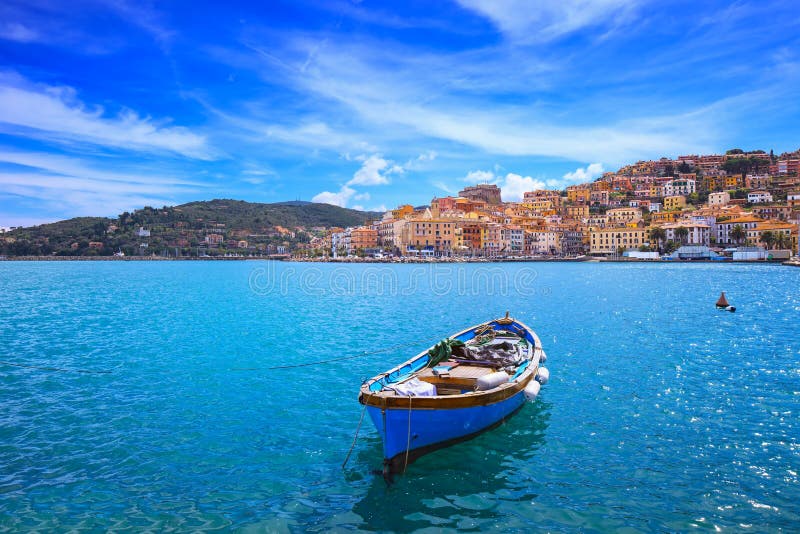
(674, 202)
(611, 240)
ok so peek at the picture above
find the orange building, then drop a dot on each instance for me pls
(402, 211)
(578, 194)
(437, 235)
(473, 235)
(362, 238)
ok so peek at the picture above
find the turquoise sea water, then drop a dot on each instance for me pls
(662, 413)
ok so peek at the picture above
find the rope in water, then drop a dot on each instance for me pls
(331, 360)
(353, 445)
(306, 364)
(408, 443)
(57, 369)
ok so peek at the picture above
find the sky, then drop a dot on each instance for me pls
(108, 106)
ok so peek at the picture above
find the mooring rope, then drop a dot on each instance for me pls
(353, 445)
(306, 364)
(331, 360)
(408, 443)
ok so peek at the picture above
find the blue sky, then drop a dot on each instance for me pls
(108, 106)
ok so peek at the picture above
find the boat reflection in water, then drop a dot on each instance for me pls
(461, 483)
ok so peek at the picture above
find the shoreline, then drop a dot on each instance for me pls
(583, 259)
(127, 258)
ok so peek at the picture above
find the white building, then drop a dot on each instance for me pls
(723, 229)
(340, 242)
(679, 186)
(759, 197)
(541, 242)
(513, 238)
(698, 233)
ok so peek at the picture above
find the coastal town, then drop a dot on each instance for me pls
(738, 205)
(741, 206)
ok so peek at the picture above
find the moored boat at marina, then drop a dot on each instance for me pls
(460, 387)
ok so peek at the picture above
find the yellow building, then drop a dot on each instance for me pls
(538, 205)
(735, 181)
(674, 203)
(659, 217)
(610, 240)
(577, 213)
(578, 194)
(775, 227)
(623, 215)
(402, 211)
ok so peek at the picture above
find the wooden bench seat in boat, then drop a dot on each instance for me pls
(460, 377)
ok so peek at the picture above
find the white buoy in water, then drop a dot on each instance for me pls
(532, 390)
(542, 356)
(543, 375)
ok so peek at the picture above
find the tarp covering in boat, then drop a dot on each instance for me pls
(443, 350)
(500, 353)
(414, 388)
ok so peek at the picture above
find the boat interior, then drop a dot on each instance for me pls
(488, 351)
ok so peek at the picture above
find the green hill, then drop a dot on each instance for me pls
(185, 230)
(287, 214)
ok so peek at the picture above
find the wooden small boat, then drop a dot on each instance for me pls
(460, 387)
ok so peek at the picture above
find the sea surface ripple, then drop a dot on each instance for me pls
(662, 413)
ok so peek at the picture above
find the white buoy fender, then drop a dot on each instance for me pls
(491, 381)
(532, 390)
(543, 375)
(542, 356)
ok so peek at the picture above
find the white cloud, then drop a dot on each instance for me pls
(339, 198)
(421, 161)
(585, 174)
(514, 186)
(316, 134)
(14, 31)
(443, 186)
(55, 113)
(82, 197)
(480, 177)
(374, 170)
(260, 172)
(430, 155)
(546, 20)
(66, 166)
(370, 172)
(420, 95)
(70, 187)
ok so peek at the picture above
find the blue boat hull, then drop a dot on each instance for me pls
(423, 430)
